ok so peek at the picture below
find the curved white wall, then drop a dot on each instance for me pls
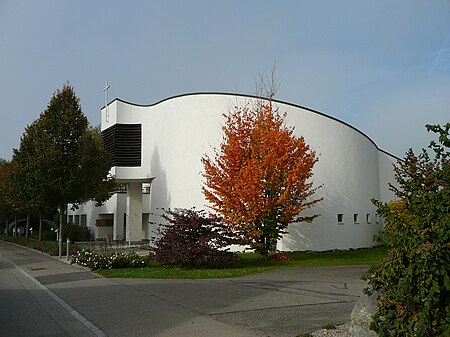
(178, 131)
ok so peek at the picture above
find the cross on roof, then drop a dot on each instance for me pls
(106, 101)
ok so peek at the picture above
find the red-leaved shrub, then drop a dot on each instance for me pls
(193, 239)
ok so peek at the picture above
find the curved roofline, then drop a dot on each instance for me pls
(254, 96)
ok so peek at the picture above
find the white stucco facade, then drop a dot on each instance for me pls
(176, 133)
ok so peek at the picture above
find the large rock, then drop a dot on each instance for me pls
(361, 316)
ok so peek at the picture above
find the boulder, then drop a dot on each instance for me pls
(362, 314)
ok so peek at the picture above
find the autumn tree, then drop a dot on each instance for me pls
(11, 202)
(259, 179)
(6, 202)
(3, 184)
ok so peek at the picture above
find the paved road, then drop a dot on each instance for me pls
(41, 296)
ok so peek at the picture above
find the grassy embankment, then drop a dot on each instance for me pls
(250, 263)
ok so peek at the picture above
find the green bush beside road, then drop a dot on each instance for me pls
(48, 247)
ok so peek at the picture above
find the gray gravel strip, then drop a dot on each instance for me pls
(340, 331)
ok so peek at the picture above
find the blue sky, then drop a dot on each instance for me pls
(381, 66)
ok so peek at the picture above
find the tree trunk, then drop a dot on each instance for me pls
(7, 225)
(27, 227)
(61, 217)
(40, 224)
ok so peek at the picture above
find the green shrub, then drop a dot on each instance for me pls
(76, 233)
(48, 235)
(414, 279)
(49, 247)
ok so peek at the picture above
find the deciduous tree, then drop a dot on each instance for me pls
(29, 177)
(414, 280)
(259, 179)
(95, 163)
(11, 202)
(6, 189)
(61, 160)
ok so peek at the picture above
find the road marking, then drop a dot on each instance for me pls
(79, 317)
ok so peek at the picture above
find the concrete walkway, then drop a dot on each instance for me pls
(280, 303)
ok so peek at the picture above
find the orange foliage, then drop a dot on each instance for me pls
(280, 257)
(259, 179)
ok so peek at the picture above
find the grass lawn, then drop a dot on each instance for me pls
(250, 263)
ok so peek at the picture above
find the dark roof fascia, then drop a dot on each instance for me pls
(256, 97)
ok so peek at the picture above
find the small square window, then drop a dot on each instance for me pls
(356, 218)
(340, 218)
(368, 220)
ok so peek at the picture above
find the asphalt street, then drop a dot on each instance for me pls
(42, 296)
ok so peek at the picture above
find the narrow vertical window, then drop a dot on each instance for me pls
(377, 218)
(356, 218)
(77, 219)
(340, 218)
(368, 218)
(83, 220)
(70, 219)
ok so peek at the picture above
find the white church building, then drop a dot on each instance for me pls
(156, 151)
